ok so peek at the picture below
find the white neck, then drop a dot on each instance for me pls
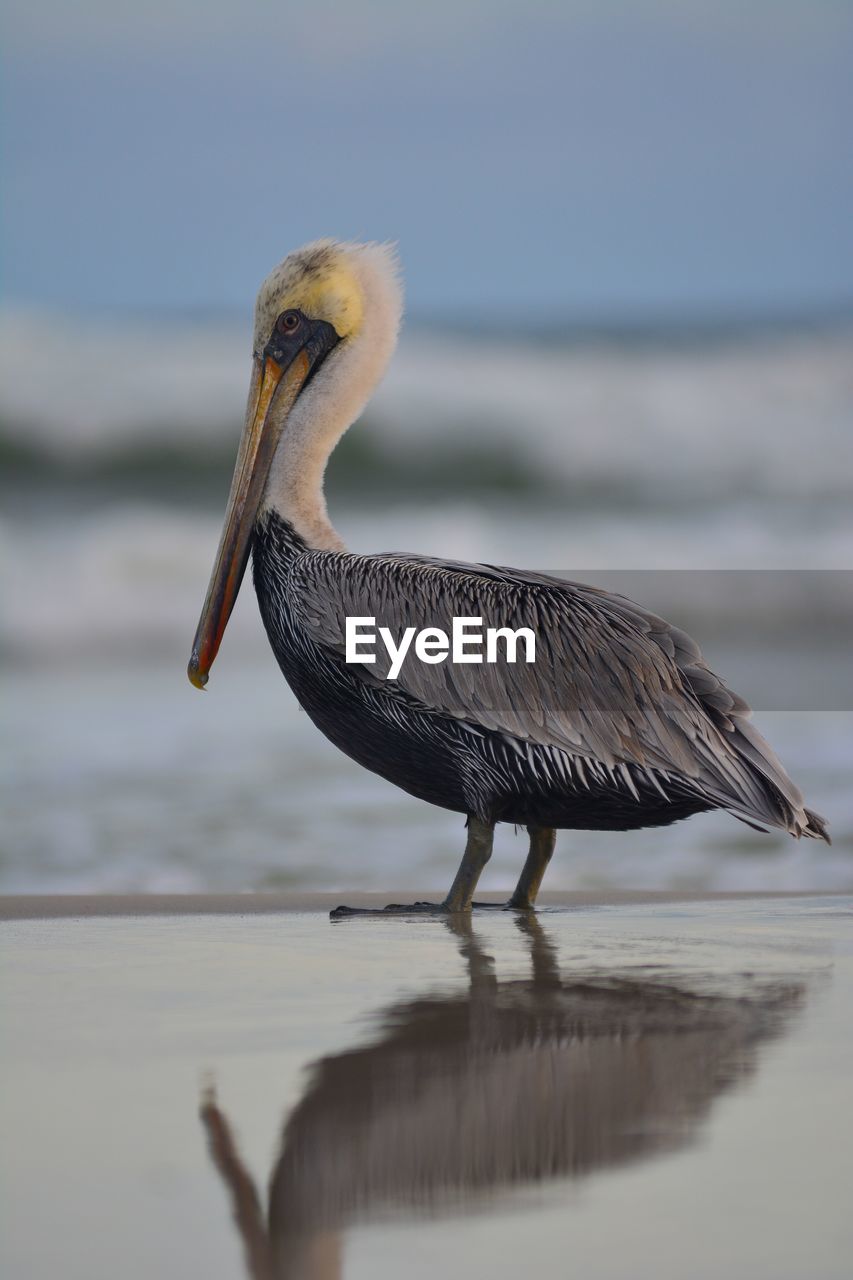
(330, 404)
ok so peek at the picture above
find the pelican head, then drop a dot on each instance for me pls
(326, 323)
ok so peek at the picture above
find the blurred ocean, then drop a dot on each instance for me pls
(590, 453)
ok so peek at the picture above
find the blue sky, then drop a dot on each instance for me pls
(560, 159)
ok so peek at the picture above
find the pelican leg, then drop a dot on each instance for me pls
(542, 841)
(478, 850)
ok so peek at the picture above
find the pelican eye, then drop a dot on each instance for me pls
(288, 321)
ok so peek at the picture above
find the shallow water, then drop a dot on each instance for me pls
(130, 780)
(116, 775)
(614, 1091)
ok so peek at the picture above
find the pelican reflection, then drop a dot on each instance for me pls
(504, 1084)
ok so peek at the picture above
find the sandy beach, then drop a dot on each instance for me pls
(57, 906)
(232, 1085)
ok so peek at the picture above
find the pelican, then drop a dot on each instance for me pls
(617, 724)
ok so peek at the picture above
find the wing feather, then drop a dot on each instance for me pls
(612, 684)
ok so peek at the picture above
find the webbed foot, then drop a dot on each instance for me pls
(426, 909)
(393, 909)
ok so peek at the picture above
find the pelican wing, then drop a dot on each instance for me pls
(611, 683)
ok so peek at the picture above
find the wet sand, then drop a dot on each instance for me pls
(51, 906)
(648, 1084)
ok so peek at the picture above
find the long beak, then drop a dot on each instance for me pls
(271, 387)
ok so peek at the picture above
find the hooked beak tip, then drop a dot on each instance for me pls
(197, 677)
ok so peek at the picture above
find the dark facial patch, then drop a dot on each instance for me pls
(316, 337)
